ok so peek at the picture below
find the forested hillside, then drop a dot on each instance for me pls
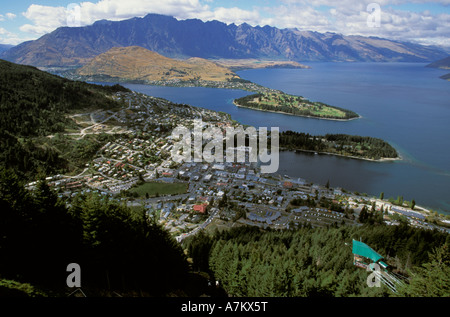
(35, 104)
(116, 248)
(319, 262)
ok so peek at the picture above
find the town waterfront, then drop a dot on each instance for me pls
(406, 104)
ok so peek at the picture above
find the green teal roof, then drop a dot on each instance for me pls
(383, 264)
(362, 249)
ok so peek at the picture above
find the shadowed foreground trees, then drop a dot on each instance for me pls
(116, 248)
(432, 279)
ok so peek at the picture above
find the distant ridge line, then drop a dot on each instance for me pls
(165, 35)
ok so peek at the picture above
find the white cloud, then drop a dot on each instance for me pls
(299, 17)
(10, 15)
(45, 19)
(350, 17)
(399, 25)
(231, 15)
(7, 37)
(3, 31)
(359, 3)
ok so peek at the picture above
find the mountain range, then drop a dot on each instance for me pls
(5, 47)
(76, 46)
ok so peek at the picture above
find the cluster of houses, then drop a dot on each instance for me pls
(142, 155)
(268, 216)
(109, 170)
(242, 85)
(61, 184)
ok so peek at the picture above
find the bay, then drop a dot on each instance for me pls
(406, 104)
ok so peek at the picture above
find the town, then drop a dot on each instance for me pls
(241, 84)
(186, 197)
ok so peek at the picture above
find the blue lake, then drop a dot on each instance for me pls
(406, 104)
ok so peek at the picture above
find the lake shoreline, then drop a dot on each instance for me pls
(381, 160)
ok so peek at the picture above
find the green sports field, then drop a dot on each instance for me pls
(159, 188)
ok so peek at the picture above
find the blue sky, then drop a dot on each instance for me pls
(422, 21)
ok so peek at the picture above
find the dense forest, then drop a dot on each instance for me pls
(248, 261)
(294, 105)
(117, 248)
(35, 104)
(342, 144)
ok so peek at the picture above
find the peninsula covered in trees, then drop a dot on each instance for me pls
(294, 105)
(339, 144)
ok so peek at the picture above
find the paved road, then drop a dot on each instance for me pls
(76, 176)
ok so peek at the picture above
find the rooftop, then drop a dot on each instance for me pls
(362, 249)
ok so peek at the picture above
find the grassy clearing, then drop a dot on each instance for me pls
(158, 188)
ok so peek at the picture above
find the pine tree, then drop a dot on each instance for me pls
(363, 215)
(433, 278)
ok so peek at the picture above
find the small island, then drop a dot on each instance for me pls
(294, 105)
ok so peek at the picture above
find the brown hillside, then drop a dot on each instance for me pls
(137, 63)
